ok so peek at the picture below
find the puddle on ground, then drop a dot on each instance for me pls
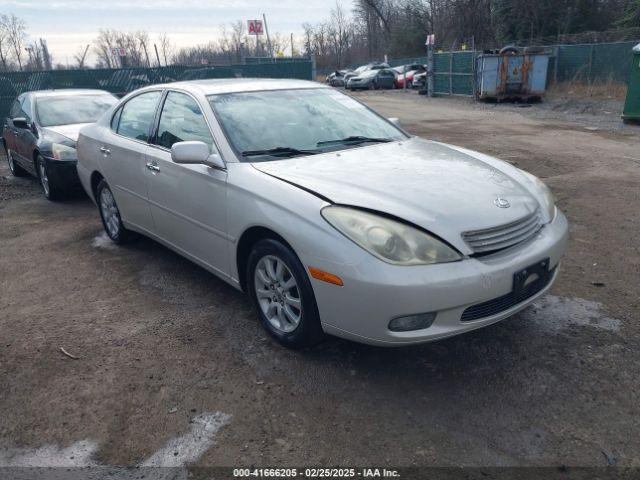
(558, 313)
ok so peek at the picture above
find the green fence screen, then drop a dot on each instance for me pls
(122, 81)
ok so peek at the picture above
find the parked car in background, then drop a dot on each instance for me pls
(373, 80)
(336, 79)
(40, 134)
(420, 80)
(365, 68)
(331, 217)
(406, 73)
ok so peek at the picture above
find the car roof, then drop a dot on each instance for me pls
(236, 85)
(68, 91)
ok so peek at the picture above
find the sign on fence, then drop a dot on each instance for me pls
(255, 27)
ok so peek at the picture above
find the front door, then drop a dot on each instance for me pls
(123, 155)
(188, 202)
(25, 138)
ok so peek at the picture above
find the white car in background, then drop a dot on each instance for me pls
(332, 218)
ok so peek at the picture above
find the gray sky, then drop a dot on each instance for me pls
(68, 25)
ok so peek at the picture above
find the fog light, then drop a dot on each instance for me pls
(412, 322)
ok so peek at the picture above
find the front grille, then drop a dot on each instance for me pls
(491, 240)
(505, 302)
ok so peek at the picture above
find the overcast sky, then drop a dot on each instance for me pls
(68, 25)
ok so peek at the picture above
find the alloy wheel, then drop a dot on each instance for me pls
(110, 213)
(278, 294)
(44, 179)
(12, 167)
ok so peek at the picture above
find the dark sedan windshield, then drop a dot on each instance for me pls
(291, 121)
(55, 110)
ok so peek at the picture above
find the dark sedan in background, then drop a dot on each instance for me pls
(373, 80)
(40, 134)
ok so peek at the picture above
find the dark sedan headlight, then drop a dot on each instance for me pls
(63, 152)
(389, 240)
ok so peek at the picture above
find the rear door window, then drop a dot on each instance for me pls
(137, 116)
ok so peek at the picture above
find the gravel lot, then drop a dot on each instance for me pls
(162, 344)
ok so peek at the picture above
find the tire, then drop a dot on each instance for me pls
(15, 169)
(110, 215)
(51, 190)
(292, 326)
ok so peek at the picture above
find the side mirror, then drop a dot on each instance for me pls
(195, 152)
(21, 122)
(395, 121)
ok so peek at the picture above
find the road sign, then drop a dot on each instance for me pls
(119, 52)
(255, 27)
(431, 39)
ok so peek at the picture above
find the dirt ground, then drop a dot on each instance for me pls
(160, 341)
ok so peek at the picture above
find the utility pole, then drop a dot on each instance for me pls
(144, 46)
(84, 55)
(45, 54)
(157, 54)
(266, 29)
(292, 45)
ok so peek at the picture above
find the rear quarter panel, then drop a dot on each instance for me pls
(87, 147)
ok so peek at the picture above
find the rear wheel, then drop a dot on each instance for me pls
(50, 188)
(16, 170)
(281, 293)
(110, 215)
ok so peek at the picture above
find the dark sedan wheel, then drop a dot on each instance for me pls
(50, 188)
(110, 215)
(281, 293)
(16, 170)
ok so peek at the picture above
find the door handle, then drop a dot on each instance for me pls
(105, 150)
(153, 167)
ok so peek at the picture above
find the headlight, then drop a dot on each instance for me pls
(548, 200)
(63, 152)
(389, 240)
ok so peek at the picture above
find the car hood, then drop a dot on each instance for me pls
(444, 189)
(69, 131)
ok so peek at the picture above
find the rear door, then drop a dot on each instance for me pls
(188, 202)
(122, 157)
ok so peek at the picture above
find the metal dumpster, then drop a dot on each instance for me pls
(632, 104)
(511, 74)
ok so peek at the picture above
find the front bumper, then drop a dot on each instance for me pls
(375, 292)
(62, 172)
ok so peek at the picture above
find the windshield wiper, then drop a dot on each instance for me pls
(279, 152)
(355, 139)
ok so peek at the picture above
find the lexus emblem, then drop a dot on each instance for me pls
(501, 202)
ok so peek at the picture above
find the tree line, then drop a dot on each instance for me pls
(354, 32)
(399, 28)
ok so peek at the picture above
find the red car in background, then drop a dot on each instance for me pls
(406, 72)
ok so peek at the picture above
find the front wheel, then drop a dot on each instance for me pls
(110, 215)
(281, 293)
(16, 170)
(49, 186)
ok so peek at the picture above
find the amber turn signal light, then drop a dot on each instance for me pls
(325, 276)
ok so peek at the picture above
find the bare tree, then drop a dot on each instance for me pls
(17, 36)
(5, 44)
(166, 48)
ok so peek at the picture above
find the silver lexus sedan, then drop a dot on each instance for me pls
(332, 218)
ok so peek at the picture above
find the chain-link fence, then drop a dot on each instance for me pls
(122, 81)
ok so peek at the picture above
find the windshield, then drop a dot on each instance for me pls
(53, 111)
(294, 122)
